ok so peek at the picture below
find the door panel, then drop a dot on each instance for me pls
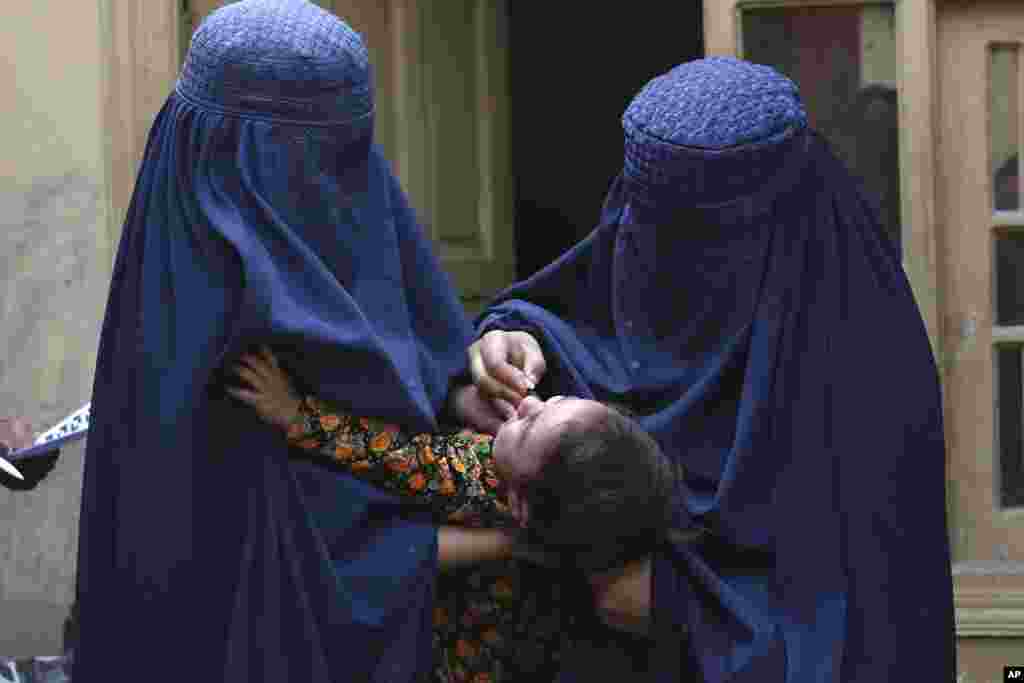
(467, 179)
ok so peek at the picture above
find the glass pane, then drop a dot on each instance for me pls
(846, 64)
(1011, 443)
(1004, 122)
(1009, 272)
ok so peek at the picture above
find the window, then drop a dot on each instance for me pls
(1004, 122)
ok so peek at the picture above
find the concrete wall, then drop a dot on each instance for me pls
(55, 262)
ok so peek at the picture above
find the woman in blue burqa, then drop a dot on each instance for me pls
(263, 214)
(741, 296)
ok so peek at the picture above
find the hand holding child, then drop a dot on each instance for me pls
(270, 393)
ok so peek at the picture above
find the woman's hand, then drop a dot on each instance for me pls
(472, 409)
(16, 432)
(622, 598)
(272, 395)
(506, 365)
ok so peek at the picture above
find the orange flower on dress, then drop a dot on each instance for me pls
(447, 487)
(330, 422)
(380, 442)
(465, 649)
(398, 463)
(427, 455)
(417, 482)
(343, 452)
(459, 466)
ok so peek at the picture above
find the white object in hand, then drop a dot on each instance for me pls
(74, 423)
(11, 469)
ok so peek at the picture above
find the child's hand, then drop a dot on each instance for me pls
(272, 395)
(622, 597)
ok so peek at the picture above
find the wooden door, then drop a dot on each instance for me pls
(467, 193)
(441, 71)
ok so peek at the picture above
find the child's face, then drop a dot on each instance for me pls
(524, 443)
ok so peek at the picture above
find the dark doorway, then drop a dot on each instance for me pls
(574, 69)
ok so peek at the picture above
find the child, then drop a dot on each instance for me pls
(582, 480)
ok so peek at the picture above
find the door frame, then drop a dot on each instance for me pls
(142, 50)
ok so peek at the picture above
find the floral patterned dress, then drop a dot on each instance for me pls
(500, 621)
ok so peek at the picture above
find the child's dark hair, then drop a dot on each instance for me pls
(605, 497)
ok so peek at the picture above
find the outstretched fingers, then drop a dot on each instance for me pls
(247, 397)
(248, 374)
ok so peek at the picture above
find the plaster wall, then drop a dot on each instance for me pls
(55, 265)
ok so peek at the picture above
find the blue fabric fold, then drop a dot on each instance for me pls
(274, 223)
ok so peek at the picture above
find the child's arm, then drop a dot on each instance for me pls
(458, 546)
(450, 472)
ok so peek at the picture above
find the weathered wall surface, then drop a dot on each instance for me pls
(55, 263)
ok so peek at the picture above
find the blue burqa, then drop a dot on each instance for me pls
(740, 293)
(263, 214)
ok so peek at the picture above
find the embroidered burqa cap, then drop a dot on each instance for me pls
(710, 131)
(741, 295)
(263, 213)
(279, 60)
